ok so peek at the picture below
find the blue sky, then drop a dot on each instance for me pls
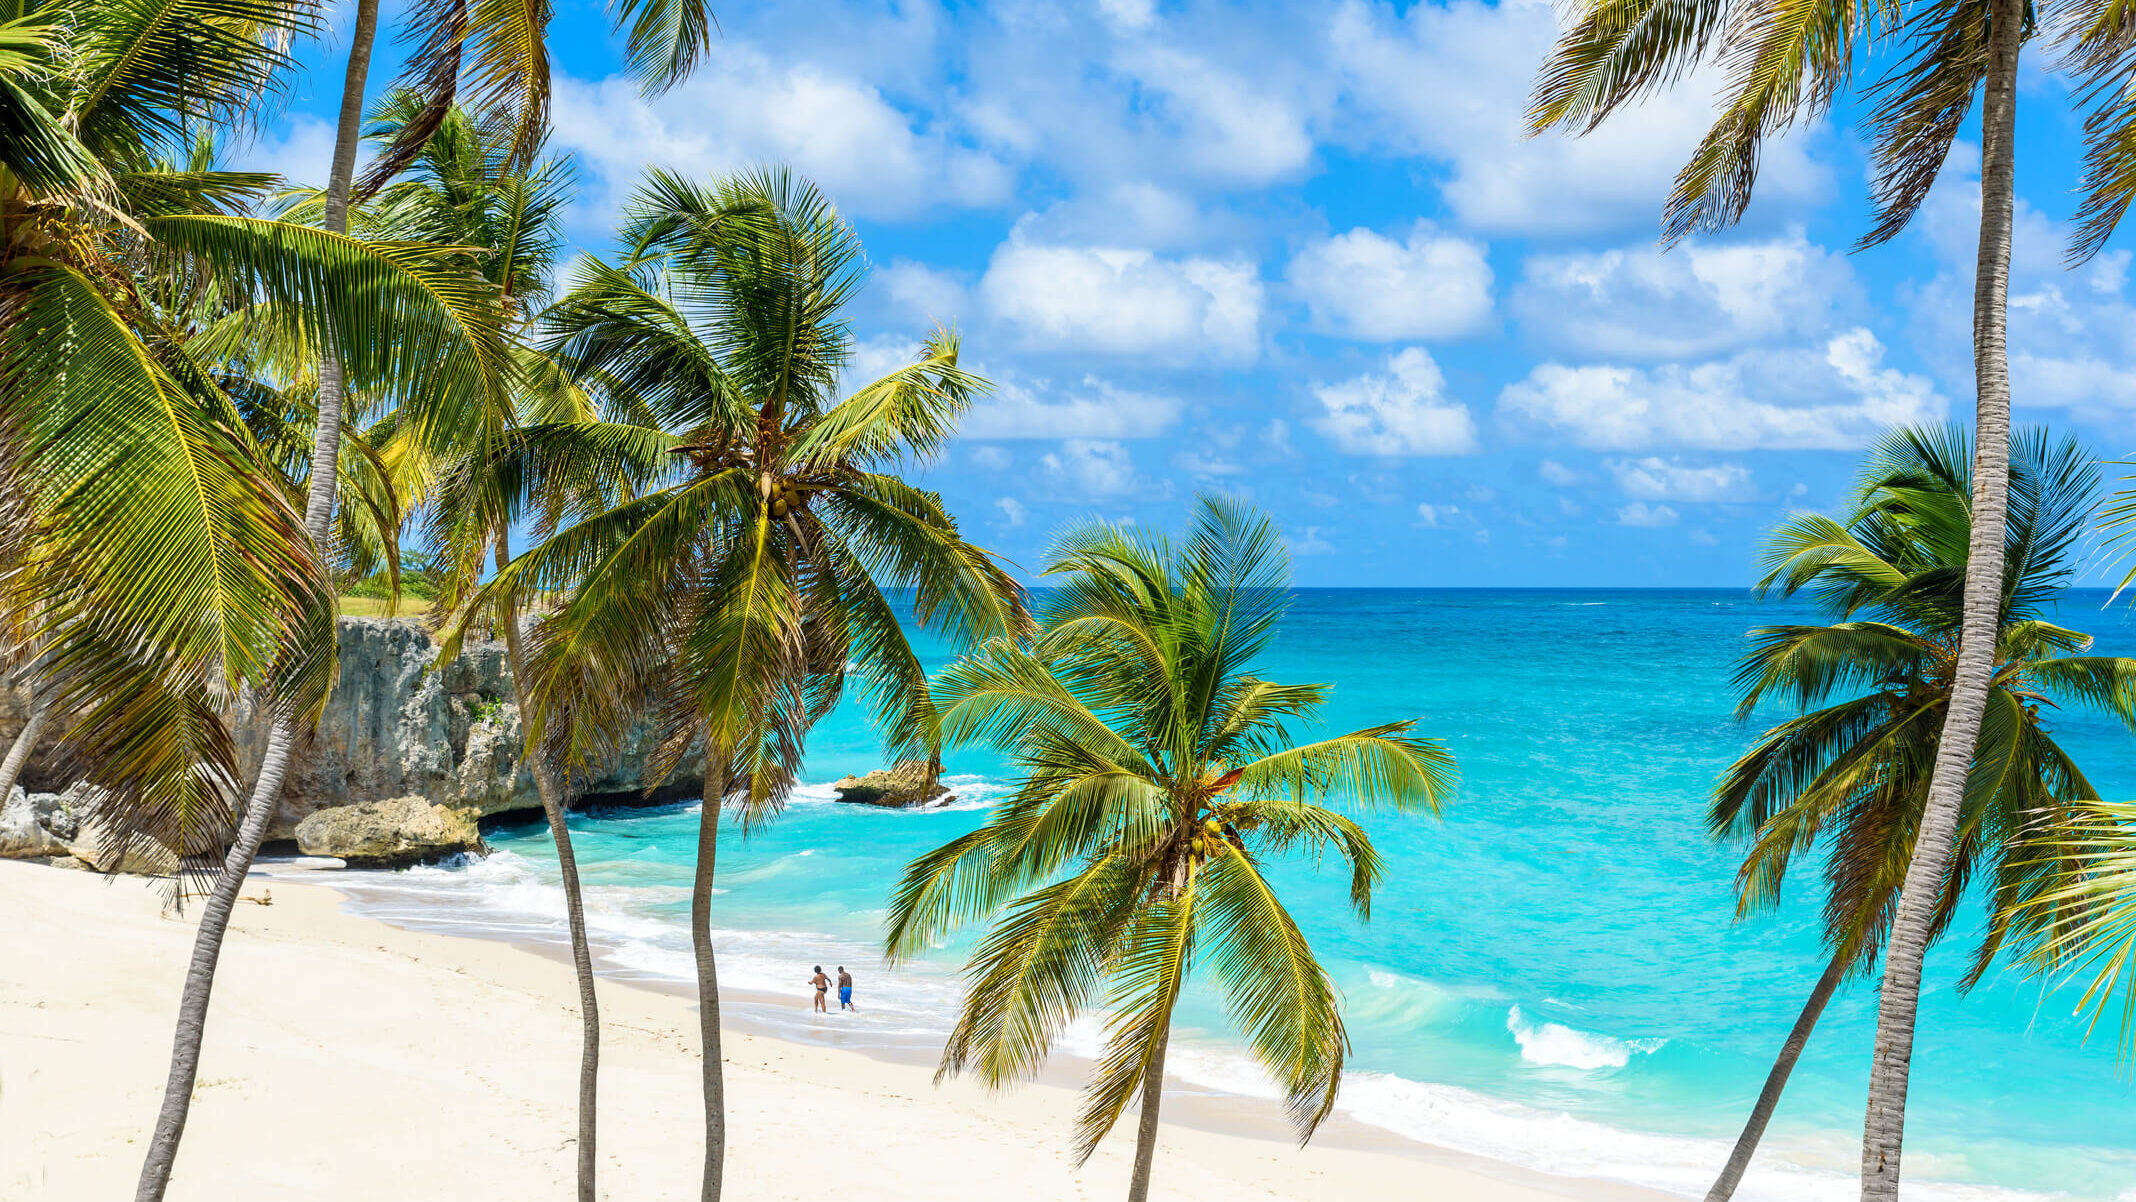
(1301, 253)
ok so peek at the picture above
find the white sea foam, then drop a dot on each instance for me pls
(509, 896)
(1561, 1046)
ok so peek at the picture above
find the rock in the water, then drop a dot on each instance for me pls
(908, 784)
(22, 836)
(93, 845)
(390, 834)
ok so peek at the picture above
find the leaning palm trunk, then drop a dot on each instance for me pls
(1761, 1114)
(715, 1082)
(552, 807)
(1138, 1189)
(286, 731)
(26, 742)
(1883, 1130)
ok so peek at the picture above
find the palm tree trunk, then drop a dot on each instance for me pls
(1724, 1187)
(715, 1082)
(552, 807)
(26, 742)
(1138, 1187)
(284, 734)
(1883, 1127)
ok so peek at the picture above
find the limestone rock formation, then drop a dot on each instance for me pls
(22, 836)
(95, 846)
(390, 834)
(908, 784)
(396, 725)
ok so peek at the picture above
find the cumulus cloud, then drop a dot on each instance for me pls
(1834, 397)
(1093, 468)
(923, 295)
(743, 108)
(1367, 286)
(1452, 82)
(1403, 412)
(300, 150)
(1125, 301)
(1557, 473)
(1654, 479)
(1639, 513)
(1012, 510)
(1697, 299)
(1228, 124)
(1438, 517)
(2072, 333)
(1091, 409)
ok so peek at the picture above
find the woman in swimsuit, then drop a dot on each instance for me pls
(823, 986)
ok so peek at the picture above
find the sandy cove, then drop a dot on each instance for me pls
(350, 1060)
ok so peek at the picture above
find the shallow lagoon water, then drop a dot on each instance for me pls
(1553, 974)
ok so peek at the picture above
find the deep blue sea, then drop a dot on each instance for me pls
(1553, 974)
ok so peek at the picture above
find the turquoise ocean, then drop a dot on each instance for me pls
(1553, 975)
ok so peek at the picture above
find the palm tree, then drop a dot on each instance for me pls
(188, 574)
(461, 188)
(730, 600)
(1159, 779)
(503, 48)
(1850, 773)
(1786, 65)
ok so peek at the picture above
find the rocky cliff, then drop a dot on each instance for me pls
(400, 725)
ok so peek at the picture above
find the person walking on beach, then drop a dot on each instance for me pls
(845, 989)
(823, 985)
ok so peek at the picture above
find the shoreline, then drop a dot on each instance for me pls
(338, 1042)
(1186, 1103)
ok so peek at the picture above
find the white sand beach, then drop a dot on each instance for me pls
(348, 1059)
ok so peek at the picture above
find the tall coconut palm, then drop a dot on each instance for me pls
(503, 47)
(1848, 777)
(1786, 65)
(1159, 780)
(463, 188)
(150, 488)
(731, 601)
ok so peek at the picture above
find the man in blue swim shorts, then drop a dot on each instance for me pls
(845, 989)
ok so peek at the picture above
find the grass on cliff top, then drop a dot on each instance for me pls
(379, 607)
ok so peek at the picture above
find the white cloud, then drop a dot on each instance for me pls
(1125, 301)
(1452, 82)
(1094, 468)
(1092, 409)
(1698, 299)
(2072, 333)
(1311, 543)
(1012, 510)
(990, 458)
(1228, 125)
(1832, 398)
(1206, 467)
(1557, 473)
(1368, 286)
(1133, 212)
(743, 108)
(1128, 14)
(1639, 513)
(1404, 412)
(1437, 517)
(301, 151)
(1654, 479)
(927, 295)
